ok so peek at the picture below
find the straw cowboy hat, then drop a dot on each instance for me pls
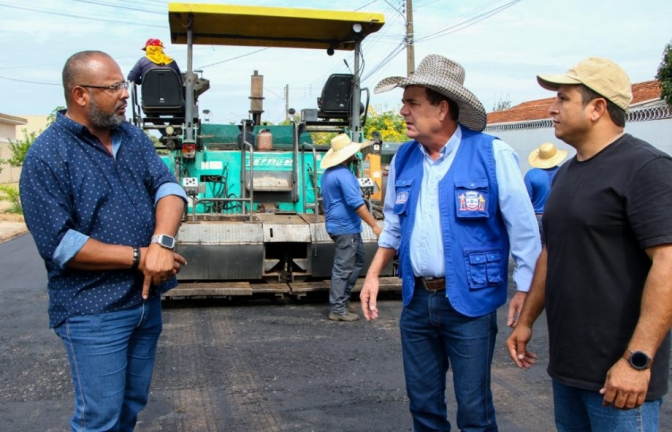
(342, 147)
(546, 156)
(446, 77)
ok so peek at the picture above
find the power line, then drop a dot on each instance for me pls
(274, 93)
(315, 86)
(232, 58)
(117, 5)
(467, 23)
(362, 7)
(395, 51)
(396, 10)
(425, 4)
(54, 12)
(30, 82)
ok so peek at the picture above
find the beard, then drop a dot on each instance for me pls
(102, 119)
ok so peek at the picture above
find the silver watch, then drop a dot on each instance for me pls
(164, 240)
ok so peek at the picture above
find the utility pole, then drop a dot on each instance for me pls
(286, 102)
(410, 49)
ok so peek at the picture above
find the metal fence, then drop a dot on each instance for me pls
(652, 124)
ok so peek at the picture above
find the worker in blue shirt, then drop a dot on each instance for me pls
(103, 210)
(344, 211)
(455, 206)
(545, 161)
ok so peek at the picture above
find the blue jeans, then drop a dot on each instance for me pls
(579, 410)
(348, 263)
(111, 359)
(434, 336)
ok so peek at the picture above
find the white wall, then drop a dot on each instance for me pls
(8, 174)
(656, 132)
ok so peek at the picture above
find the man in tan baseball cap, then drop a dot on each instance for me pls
(601, 75)
(605, 273)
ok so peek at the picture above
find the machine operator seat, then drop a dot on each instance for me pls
(162, 93)
(336, 99)
(334, 103)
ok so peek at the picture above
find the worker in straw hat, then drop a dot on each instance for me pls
(154, 58)
(344, 211)
(545, 160)
(455, 206)
(604, 276)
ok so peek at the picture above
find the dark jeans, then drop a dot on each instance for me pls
(578, 410)
(348, 263)
(434, 336)
(111, 359)
(541, 228)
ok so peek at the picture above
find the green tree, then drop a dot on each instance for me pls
(52, 116)
(502, 104)
(154, 138)
(388, 122)
(664, 74)
(19, 148)
(11, 193)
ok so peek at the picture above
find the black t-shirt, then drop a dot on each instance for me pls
(600, 217)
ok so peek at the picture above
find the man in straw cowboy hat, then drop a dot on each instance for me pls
(605, 274)
(455, 206)
(545, 160)
(344, 211)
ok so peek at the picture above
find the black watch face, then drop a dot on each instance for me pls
(167, 242)
(639, 360)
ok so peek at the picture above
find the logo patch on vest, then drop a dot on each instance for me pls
(470, 201)
(402, 197)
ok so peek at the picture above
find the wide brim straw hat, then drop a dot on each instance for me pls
(546, 156)
(342, 147)
(446, 77)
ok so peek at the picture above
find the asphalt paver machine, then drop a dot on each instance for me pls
(253, 222)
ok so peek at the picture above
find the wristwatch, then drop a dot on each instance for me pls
(638, 359)
(164, 240)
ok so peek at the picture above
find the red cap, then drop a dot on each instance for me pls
(153, 42)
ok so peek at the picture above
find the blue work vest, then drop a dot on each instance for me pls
(475, 240)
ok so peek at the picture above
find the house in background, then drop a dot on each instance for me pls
(34, 123)
(527, 125)
(8, 126)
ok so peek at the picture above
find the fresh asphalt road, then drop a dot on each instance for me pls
(246, 365)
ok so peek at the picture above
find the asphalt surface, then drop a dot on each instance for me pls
(246, 365)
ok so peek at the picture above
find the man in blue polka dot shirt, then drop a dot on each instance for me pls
(103, 210)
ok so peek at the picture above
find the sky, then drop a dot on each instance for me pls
(502, 44)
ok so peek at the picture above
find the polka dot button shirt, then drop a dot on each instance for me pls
(69, 181)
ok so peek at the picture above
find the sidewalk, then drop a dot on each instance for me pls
(11, 225)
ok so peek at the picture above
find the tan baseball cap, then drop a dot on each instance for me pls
(598, 74)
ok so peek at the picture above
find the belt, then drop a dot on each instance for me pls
(431, 283)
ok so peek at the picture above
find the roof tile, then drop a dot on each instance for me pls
(538, 109)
